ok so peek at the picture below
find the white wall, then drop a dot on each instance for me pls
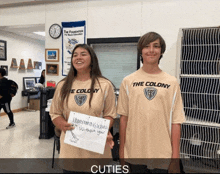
(121, 18)
(62, 12)
(21, 47)
(23, 15)
(114, 18)
(168, 16)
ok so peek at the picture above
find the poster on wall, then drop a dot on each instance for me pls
(73, 33)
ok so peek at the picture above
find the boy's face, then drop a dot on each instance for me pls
(151, 52)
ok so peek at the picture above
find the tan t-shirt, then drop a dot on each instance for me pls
(152, 103)
(102, 104)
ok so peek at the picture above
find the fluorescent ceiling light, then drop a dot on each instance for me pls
(40, 33)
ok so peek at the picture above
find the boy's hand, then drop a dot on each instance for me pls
(109, 140)
(174, 166)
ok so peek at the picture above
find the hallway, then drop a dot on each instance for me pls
(21, 145)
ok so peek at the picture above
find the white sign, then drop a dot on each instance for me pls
(73, 34)
(90, 132)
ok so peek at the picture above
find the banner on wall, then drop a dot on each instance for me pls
(73, 33)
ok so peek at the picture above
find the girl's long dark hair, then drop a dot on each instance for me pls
(94, 74)
(42, 78)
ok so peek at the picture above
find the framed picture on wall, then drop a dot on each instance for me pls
(37, 79)
(29, 82)
(6, 69)
(37, 65)
(52, 55)
(52, 69)
(3, 50)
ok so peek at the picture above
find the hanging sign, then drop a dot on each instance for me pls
(73, 34)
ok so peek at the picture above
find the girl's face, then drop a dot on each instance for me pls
(151, 52)
(81, 60)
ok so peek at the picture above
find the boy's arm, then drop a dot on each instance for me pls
(109, 140)
(175, 140)
(174, 166)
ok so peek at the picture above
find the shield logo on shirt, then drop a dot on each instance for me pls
(80, 99)
(150, 92)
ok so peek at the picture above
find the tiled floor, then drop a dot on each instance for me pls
(23, 140)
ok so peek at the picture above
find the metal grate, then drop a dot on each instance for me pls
(200, 146)
(200, 88)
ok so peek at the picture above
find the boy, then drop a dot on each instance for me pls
(151, 110)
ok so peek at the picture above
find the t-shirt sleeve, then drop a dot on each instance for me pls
(178, 115)
(109, 103)
(123, 100)
(55, 109)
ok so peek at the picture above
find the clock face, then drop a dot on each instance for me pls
(55, 31)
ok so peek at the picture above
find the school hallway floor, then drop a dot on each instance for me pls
(22, 143)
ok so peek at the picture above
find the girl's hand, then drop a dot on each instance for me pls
(66, 126)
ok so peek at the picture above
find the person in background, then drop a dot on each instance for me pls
(151, 112)
(96, 98)
(40, 84)
(42, 77)
(6, 97)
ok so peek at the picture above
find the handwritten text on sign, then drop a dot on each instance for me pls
(90, 132)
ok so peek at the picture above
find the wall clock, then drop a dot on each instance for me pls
(55, 31)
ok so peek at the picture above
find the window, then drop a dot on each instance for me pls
(117, 57)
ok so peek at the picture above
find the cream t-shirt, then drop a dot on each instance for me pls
(152, 102)
(102, 104)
